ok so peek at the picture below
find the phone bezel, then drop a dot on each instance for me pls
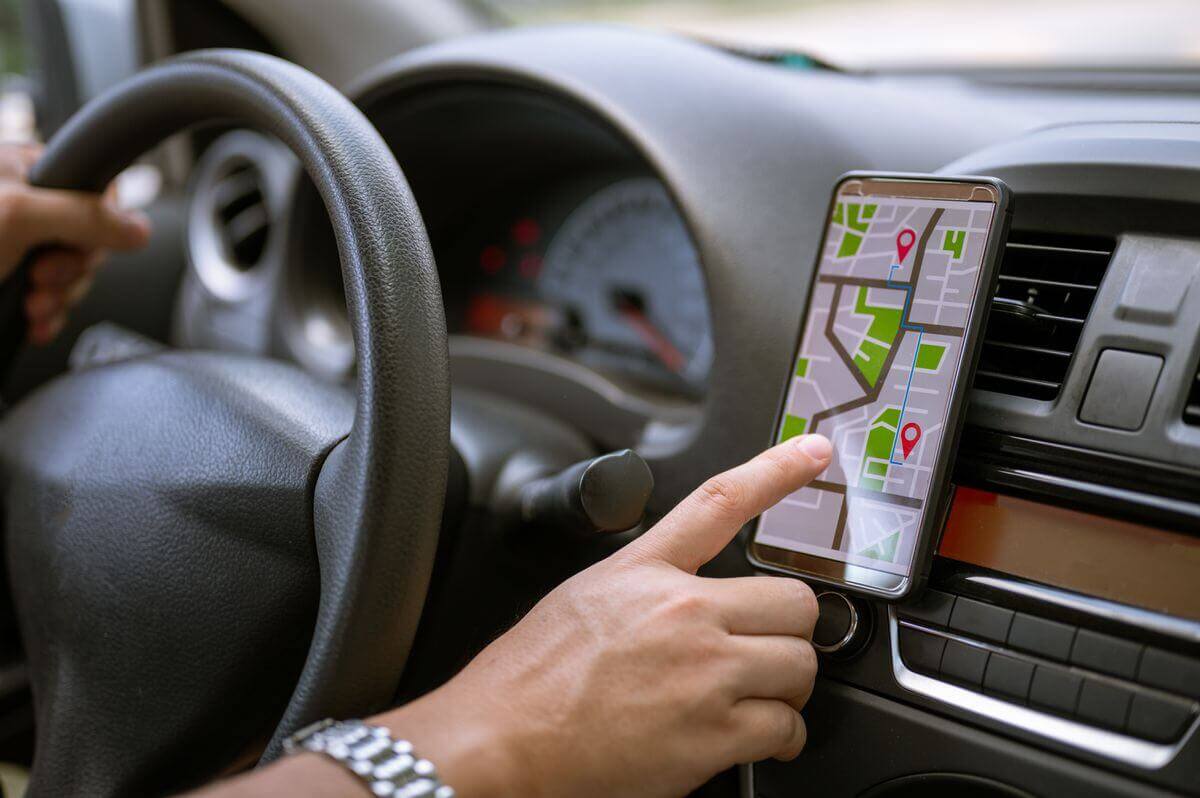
(869, 581)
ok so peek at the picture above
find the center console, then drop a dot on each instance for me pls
(1057, 648)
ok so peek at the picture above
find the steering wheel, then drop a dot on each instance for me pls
(209, 551)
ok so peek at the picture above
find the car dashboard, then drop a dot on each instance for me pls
(625, 226)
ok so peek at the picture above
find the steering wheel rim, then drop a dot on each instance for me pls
(378, 498)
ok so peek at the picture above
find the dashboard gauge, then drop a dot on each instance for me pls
(627, 285)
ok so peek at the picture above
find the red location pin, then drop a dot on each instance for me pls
(904, 242)
(910, 433)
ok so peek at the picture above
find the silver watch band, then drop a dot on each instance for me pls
(388, 767)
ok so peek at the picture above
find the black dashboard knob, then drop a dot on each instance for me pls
(843, 626)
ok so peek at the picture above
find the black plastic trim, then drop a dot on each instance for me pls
(1106, 483)
(1077, 609)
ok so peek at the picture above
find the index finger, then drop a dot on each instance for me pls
(703, 523)
(76, 219)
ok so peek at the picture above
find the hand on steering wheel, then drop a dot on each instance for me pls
(235, 532)
(80, 227)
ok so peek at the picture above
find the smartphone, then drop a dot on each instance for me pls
(888, 346)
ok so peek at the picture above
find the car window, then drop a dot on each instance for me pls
(16, 104)
(916, 33)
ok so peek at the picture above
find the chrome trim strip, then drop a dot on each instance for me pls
(1110, 745)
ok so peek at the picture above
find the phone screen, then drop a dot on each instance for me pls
(889, 339)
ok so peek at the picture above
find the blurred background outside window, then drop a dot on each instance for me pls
(16, 104)
(916, 33)
(94, 40)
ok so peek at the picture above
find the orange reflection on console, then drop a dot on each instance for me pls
(1147, 567)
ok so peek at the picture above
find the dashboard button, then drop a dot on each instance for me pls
(1173, 672)
(1121, 388)
(843, 625)
(1105, 654)
(1156, 718)
(964, 663)
(921, 651)
(1050, 639)
(1155, 288)
(933, 607)
(1008, 677)
(836, 622)
(1055, 689)
(981, 620)
(1103, 704)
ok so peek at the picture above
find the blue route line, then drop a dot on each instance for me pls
(908, 289)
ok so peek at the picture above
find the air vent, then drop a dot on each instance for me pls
(1191, 408)
(242, 221)
(235, 228)
(1045, 292)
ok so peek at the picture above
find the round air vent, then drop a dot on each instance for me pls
(237, 201)
(242, 220)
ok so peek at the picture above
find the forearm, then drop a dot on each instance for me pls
(634, 678)
(306, 775)
(468, 756)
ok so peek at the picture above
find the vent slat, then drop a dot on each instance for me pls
(242, 218)
(1063, 319)
(238, 188)
(1044, 294)
(1037, 350)
(1008, 278)
(1050, 248)
(995, 375)
(252, 221)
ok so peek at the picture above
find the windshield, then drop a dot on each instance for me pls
(916, 33)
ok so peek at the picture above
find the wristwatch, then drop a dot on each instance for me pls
(388, 767)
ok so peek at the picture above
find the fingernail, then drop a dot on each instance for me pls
(815, 446)
(136, 222)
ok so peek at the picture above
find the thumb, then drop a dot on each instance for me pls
(704, 523)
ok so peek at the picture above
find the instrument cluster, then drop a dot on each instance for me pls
(604, 274)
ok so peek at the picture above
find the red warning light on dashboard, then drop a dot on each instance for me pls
(526, 232)
(492, 259)
(904, 242)
(910, 433)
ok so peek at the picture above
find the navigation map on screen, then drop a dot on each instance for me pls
(878, 360)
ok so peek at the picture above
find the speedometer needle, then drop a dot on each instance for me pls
(654, 338)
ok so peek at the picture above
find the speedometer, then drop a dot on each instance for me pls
(628, 282)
